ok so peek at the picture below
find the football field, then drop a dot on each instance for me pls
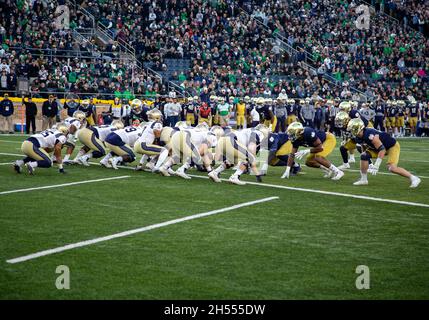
(136, 235)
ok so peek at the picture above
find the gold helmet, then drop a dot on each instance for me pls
(269, 101)
(247, 99)
(342, 119)
(196, 98)
(329, 102)
(355, 126)
(154, 115)
(231, 98)
(260, 100)
(136, 104)
(295, 130)
(401, 103)
(117, 124)
(302, 101)
(263, 129)
(61, 127)
(80, 115)
(345, 106)
(166, 134)
(394, 103)
(389, 102)
(213, 98)
(189, 99)
(307, 100)
(218, 131)
(254, 100)
(181, 124)
(202, 127)
(85, 102)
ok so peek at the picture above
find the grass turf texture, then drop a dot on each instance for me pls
(302, 246)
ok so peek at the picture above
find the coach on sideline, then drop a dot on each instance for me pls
(49, 113)
(6, 112)
(30, 115)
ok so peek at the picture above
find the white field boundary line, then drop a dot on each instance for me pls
(11, 154)
(62, 185)
(135, 231)
(347, 195)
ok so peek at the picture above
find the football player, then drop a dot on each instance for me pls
(413, 113)
(239, 148)
(240, 113)
(400, 118)
(93, 139)
(37, 148)
(73, 124)
(321, 145)
(147, 146)
(380, 113)
(279, 147)
(190, 111)
(87, 108)
(392, 111)
(377, 145)
(191, 147)
(120, 143)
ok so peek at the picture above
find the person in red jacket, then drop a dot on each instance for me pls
(205, 114)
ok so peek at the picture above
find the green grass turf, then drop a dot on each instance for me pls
(302, 246)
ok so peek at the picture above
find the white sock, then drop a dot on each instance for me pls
(364, 176)
(162, 157)
(79, 154)
(221, 168)
(264, 167)
(143, 159)
(238, 173)
(88, 156)
(107, 157)
(19, 162)
(184, 167)
(351, 157)
(325, 169)
(33, 164)
(168, 163)
(66, 157)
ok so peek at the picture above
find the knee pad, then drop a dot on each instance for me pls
(365, 156)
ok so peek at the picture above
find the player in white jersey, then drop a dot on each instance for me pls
(38, 147)
(239, 148)
(121, 143)
(147, 147)
(93, 139)
(191, 147)
(74, 124)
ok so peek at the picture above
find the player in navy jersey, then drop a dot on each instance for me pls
(377, 145)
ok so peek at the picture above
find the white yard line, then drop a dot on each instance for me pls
(11, 154)
(5, 163)
(62, 185)
(348, 195)
(10, 141)
(134, 231)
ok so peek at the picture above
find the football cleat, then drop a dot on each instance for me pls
(182, 174)
(328, 174)
(171, 171)
(344, 166)
(415, 181)
(30, 169)
(83, 161)
(164, 172)
(17, 167)
(338, 175)
(236, 180)
(105, 164)
(213, 176)
(361, 182)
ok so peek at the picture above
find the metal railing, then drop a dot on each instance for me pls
(393, 19)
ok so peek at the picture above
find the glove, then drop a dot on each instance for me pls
(286, 174)
(300, 154)
(373, 168)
